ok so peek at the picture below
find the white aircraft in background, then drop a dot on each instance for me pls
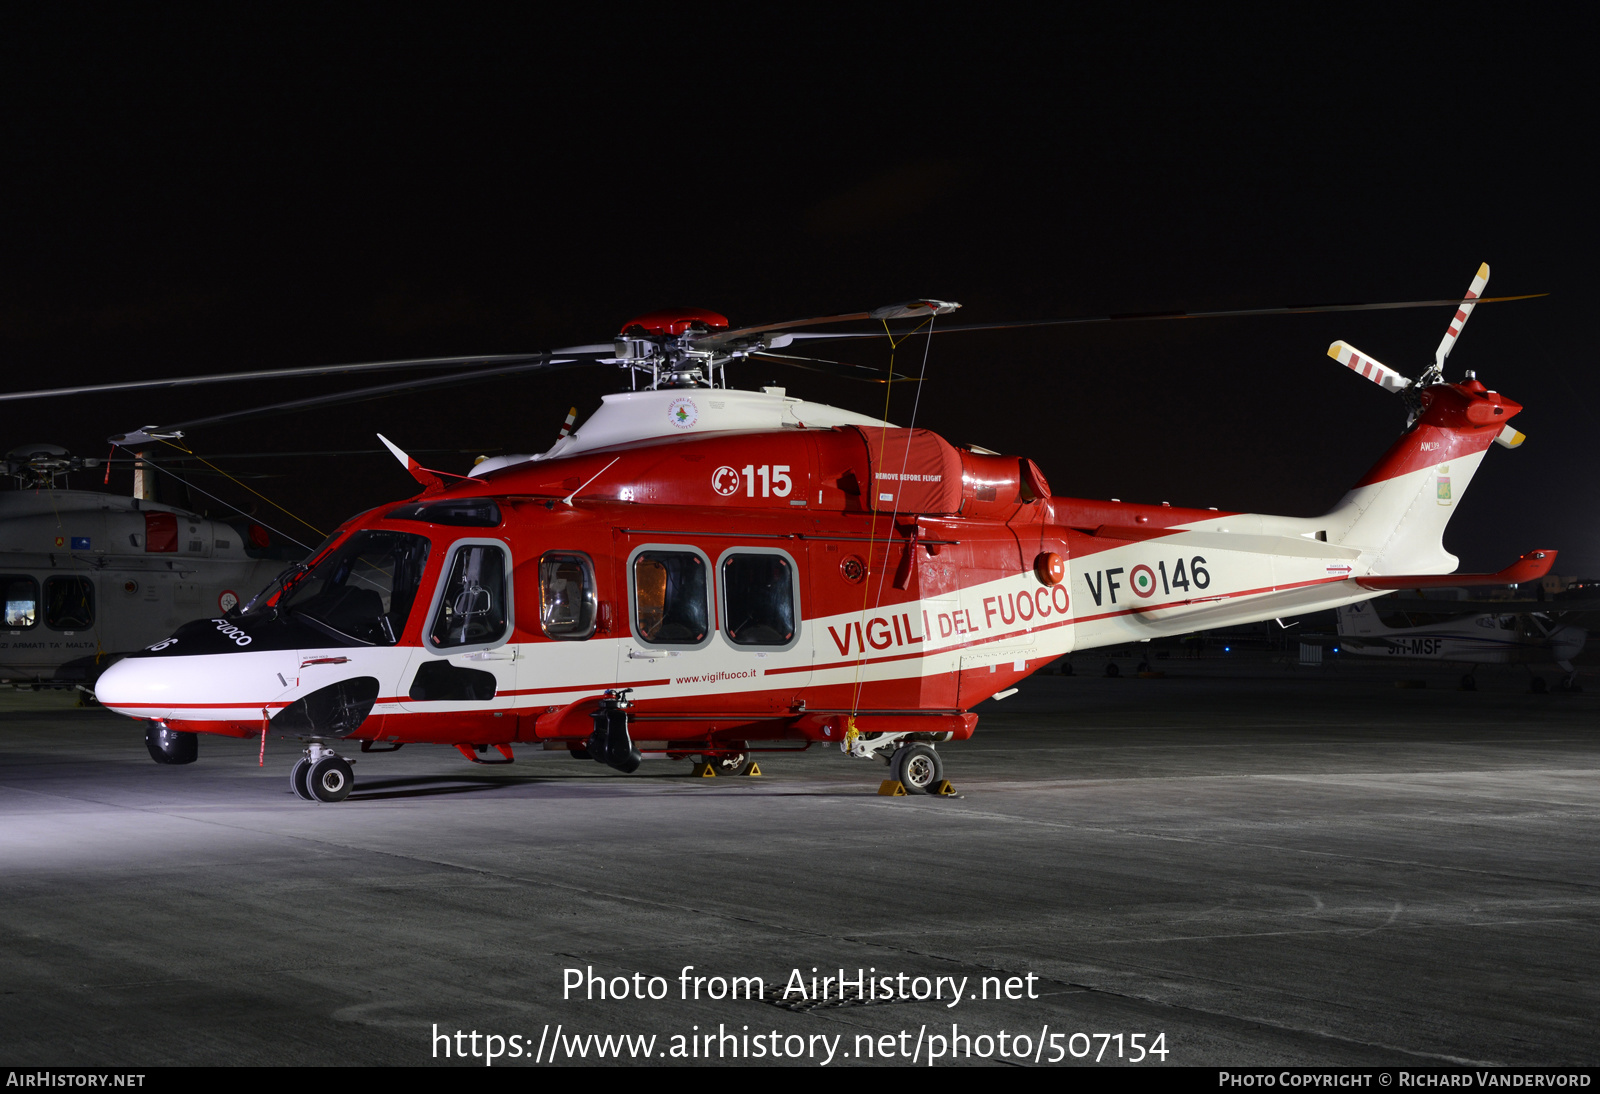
(1481, 638)
(86, 577)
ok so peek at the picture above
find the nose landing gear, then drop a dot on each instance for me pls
(322, 775)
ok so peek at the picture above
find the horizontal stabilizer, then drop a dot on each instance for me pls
(1356, 361)
(1509, 438)
(1530, 567)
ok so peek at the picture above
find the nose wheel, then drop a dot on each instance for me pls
(322, 775)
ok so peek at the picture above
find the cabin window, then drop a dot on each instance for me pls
(21, 600)
(566, 595)
(670, 602)
(473, 610)
(363, 590)
(759, 601)
(69, 603)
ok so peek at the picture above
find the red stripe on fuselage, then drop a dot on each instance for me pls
(919, 653)
(1143, 608)
(200, 706)
(586, 687)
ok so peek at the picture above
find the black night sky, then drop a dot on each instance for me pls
(195, 190)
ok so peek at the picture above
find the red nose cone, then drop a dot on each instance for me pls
(677, 320)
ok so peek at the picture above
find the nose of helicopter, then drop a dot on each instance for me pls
(204, 686)
(149, 687)
(209, 669)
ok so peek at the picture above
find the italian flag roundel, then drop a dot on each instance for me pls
(1143, 580)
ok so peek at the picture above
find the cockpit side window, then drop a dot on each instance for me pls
(363, 590)
(671, 605)
(21, 601)
(566, 595)
(473, 609)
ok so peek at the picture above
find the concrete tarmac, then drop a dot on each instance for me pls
(1261, 865)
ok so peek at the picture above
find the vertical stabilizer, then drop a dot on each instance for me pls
(1400, 507)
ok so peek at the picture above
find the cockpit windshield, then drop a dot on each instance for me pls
(363, 590)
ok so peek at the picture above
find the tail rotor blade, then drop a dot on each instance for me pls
(1460, 320)
(1358, 362)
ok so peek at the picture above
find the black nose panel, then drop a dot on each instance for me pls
(334, 711)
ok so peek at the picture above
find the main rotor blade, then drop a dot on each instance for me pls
(150, 433)
(833, 368)
(175, 456)
(1228, 313)
(309, 370)
(910, 309)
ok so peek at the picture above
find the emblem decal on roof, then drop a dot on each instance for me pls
(683, 413)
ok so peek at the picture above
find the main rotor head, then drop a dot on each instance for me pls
(42, 465)
(661, 345)
(691, 347)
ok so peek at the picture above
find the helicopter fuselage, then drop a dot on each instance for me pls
(788, 584)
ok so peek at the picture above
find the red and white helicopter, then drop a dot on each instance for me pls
(704, 571)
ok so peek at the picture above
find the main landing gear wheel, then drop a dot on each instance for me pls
(1112, 670)
(330, 779)
(298, 778)
(918, 767)
(1469, 682)
(729, 763)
